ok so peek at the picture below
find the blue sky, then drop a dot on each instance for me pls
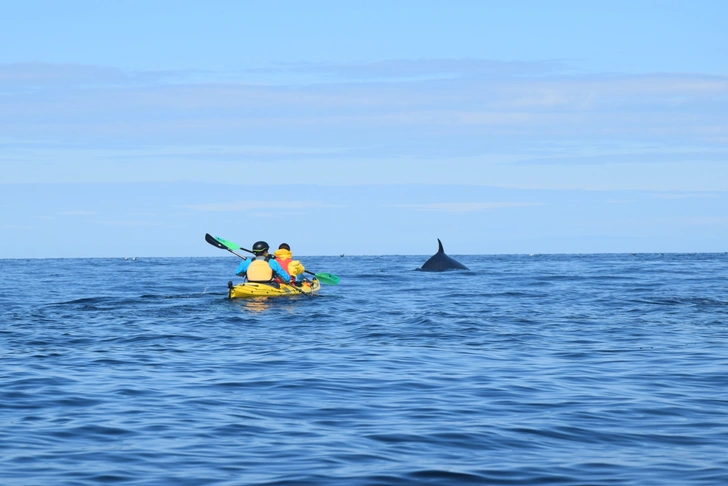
(133, 128)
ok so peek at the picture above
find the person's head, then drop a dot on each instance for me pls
(260, 248)
(284, 246)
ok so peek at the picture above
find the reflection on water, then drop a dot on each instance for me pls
(255, 305)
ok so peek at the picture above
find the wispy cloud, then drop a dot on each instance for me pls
(621, 201)
(687, 195)
(402, 69)
(687, 221)
(15, 227)
(573, 101)
(450, 117)
(553, 107)
(36, 76)
(149, 224)
(659, 155)
(239, 206)
(78, 213)
(466, 207)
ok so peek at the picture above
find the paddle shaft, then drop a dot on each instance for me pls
(238, 254)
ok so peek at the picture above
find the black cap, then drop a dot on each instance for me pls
(284, 246)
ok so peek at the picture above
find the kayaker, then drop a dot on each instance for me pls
(262, 268)
(294, 267)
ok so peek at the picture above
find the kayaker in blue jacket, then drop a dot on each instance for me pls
(261, 268)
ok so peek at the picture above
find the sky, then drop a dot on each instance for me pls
(131, 129)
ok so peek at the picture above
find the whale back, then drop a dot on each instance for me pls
(440, 262)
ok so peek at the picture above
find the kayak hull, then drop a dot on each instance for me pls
(249, 290)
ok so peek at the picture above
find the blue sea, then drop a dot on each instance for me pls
(607, 369)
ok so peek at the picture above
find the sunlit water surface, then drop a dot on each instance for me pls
(544, 369)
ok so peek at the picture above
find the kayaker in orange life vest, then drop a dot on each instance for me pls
(294, 267)
(262, 268)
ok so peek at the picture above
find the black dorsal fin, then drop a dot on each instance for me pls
(440, 250)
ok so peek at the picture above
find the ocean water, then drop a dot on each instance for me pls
(544, 369)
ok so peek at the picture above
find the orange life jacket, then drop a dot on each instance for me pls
(283, 262)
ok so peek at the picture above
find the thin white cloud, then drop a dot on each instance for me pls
(686, 195)
(374, 130)
(239, 206)
(682, 221)
(145, 224)
(78, 213)
(621, 201)
(276, 214)
(658, 156)
(34, 76)
(557, 106)
(15, 227)
(426, 68)
(466, 207)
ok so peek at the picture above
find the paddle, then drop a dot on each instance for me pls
(214, 242)
(324, 278)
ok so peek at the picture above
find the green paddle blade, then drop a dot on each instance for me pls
(228, 244)
(328, 278)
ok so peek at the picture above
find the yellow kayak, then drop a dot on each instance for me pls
(250, 289)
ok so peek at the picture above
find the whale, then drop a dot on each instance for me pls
(439, 262)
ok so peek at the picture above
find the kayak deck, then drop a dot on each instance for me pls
(251, 289)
